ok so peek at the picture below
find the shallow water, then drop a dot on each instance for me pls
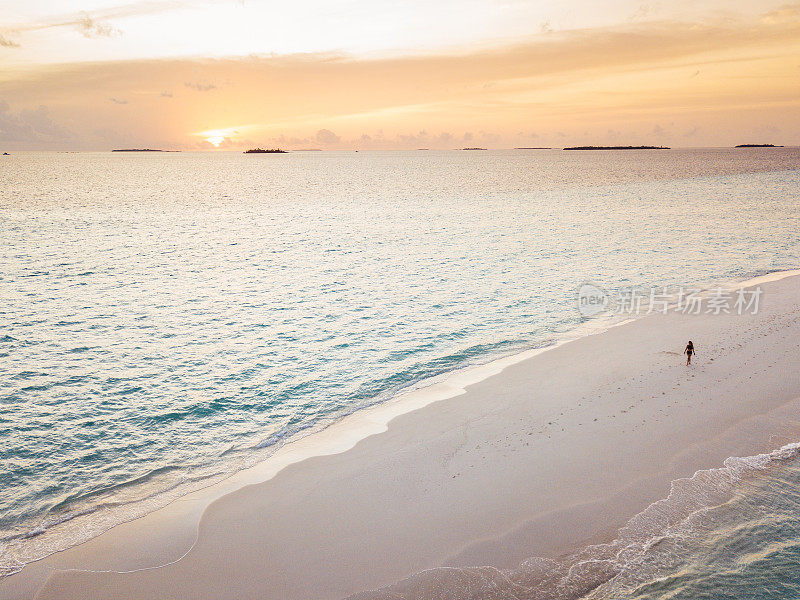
(730, 532)
(168, 319)
(746, 547)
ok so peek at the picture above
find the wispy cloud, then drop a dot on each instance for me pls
(118, 101)
(200, 86)
(94, 23)
(91, 28)
(7, 43)
(788, 13)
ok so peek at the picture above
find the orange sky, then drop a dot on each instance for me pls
(638, 74)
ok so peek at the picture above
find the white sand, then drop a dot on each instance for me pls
(553, 452)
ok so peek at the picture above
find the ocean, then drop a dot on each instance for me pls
(728, 533)
(168, 319)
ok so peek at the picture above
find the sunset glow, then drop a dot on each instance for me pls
(215, 140)
(104, 73)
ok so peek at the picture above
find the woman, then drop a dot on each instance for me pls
(688, 352)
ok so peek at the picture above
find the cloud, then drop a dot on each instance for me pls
(7, 43)
(625, 77)
(788, 13)
(643, 12)
(90, 28)
(422, 139)
(118, 101)
(326, 136)
(30, 126)
(93, 25)
(200, 86)
(166, 94)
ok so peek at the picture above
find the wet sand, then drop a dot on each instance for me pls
(550, 454)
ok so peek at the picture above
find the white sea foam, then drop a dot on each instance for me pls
(592, 572)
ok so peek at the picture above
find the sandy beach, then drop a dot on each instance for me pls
(393, 300)
(543, 457)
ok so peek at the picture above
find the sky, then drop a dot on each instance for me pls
(393, 74)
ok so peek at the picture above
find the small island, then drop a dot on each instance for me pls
(6, 154)
(263, 151)
(757, 146)
(473, 148)
(137, 150)
(617, 148)
(533, 148)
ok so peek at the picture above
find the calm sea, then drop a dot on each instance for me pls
(169, 318)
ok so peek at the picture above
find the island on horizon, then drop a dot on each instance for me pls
(617, 148)
(757, 146)
(267, 151)
(533, 148)
(473, 148)
(140, 150)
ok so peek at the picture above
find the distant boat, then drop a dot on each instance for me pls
(263, 151)
(617, 148)
(758, 146)
(473, 148)
(6, 154)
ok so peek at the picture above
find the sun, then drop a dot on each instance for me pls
(219, 138)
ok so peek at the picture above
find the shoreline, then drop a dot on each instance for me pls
(363, 425)
(347, 428)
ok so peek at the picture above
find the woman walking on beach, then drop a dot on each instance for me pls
(688, 352)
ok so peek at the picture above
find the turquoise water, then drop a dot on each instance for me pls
(745, 547)
(168, 319)
(730, 533)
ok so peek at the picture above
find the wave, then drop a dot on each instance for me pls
(640, 552)
(85, 516)
(80, 517)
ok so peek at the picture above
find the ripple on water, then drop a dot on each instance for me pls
(222, 311)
